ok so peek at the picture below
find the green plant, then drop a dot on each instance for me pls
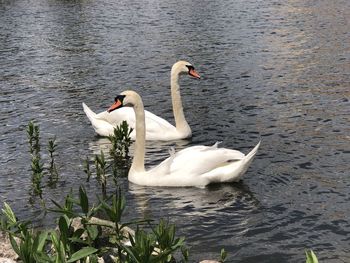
(65, 221)
(78, 235)
(158, 246)
(101, 166)
(28, 245)
(310, 256)
(121, 142)
(52, 168)
(87, 169)
(119, 153)
(223, 255)
(36, 164)
(70, 242)
(166, 239)
(33, 138)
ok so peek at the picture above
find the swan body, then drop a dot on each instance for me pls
(192, 166)
(157, 127)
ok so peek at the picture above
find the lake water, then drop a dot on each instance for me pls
(273, 70)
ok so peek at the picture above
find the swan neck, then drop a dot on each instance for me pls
(138, 163)
(179, 116)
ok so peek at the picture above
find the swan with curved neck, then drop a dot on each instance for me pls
(157, 128)
(192, 166)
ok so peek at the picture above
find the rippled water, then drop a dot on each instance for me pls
(274, 70)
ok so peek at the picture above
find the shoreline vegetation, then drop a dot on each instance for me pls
(88, 232)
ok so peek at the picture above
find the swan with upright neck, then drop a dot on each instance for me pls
(192, 166)
(157, 128)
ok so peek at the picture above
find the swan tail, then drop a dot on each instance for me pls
(252, 153)
(248, 159)
(215, 145)
(89, 113)
(233, 170)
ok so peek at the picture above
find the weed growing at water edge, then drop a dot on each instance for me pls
(119, 153)
(101, 166)
(310, 256)
(121, 142)
(37, 166)
(70, 242)
(52, 169)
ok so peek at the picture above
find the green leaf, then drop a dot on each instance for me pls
(42, 257)
(93, 231)
(63, 224)
(77, 233)
(57, 204)
(14, 245)
(39, 241)
(310, 256)
(9, 213)
(223, 255)
(84, 201)
(185, 253)
(59, 248)
(82, 253)
(77, 240)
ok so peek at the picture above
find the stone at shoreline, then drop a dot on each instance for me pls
(7, 255)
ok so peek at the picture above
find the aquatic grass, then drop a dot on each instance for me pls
(119, 153)
(33, 138)
(87, 170)
(37, 166)
(101, 170)
(223, 255)
(310, 256)
(52, 146)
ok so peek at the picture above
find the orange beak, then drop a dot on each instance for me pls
(117, 104)
(194, 74)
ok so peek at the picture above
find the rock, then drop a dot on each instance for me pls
(6, 260)
(7, 255)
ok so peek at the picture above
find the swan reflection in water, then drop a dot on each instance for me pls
(192, 201)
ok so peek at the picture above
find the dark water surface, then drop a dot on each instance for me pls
(275, 70)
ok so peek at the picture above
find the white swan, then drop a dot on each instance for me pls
(157, 128)
(192, 166)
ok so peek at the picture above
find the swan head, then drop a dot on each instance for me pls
(126, 98)
(184, 67)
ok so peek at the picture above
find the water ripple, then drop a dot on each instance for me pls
(270, 71)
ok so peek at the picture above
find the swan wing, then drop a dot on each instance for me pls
(155, 124)
(101, 126)
(193, 166)
(104, 122)
(118, 116)
(198, 160)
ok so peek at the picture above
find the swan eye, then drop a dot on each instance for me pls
(190, 67)
(120, 98)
